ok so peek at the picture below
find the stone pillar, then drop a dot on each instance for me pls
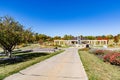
(90, 42)
(54, 43)
(70, 42)
(100, 42)
(94, 43)
(64, 42)
(59, 42)
(106, 42)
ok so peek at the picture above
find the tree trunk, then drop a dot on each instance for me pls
(6, 52)
(10, 54)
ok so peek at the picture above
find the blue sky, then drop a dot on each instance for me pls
(60, 17)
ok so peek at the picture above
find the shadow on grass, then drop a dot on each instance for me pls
(21, 57)
(17, 52)
(20, 51)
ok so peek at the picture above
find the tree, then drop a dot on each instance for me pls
(90, 37)
(116, 39)
(103, 36)
(49, 39)
(68, 37)
(57, 38)
(43, 38)
(11, 34)
(118, 36)
(109, 36)
(28, 36)
(37, 38)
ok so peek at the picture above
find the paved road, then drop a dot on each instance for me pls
(64, 66)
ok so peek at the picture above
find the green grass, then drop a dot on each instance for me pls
(96, 69)
(29, 59)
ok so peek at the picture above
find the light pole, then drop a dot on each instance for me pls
(79, 40)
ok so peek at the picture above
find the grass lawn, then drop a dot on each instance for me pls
(96, 69)
(27, 59)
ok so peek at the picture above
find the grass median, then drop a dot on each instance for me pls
(96, 69)
(10, 67)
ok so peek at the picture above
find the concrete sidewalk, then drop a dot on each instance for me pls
(64, 66)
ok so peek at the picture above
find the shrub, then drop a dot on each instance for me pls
(111, 45)
(113, 58)
(106, 58)
(84, 49)
(99, 52)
